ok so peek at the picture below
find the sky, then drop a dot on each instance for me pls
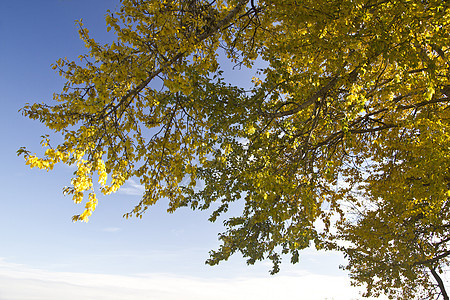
(43, 255)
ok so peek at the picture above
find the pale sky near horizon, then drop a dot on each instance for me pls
(43, 255)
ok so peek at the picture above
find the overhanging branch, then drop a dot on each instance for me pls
(127, 98)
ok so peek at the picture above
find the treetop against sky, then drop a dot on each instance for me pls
(348, 107)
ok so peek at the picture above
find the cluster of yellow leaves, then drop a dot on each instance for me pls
(83, 180)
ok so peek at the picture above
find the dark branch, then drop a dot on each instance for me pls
(314, 97)
(440, 283)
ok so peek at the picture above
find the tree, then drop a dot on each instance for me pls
(352, 98)
(400, 238)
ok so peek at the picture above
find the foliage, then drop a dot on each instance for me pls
(352, 91)
(400, 238)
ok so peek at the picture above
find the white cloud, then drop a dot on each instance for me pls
(132, 188)
(18, 282)
(111, 229)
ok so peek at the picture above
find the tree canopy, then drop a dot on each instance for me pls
(342, 140)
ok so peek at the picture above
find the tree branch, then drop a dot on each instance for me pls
(434, 259)
(213, 29)
(423, 103)
(440, 283)
(314, 97)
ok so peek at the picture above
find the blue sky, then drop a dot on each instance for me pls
(43, 255)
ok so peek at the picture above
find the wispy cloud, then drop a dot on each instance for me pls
(21, 282)
(111, 229)
(131, 187)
